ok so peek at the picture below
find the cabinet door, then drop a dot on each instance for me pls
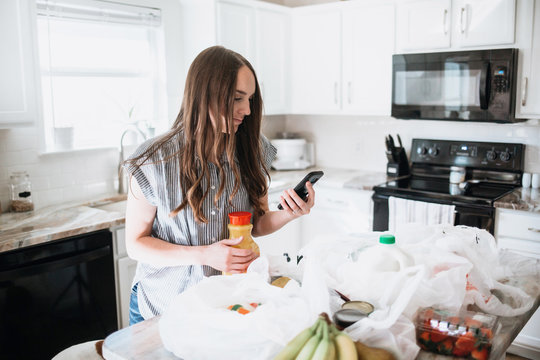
(285, 240)
(367, 59)
(528, 94)
(236, 28)
(423, 25)
(272, 50)
(484, 22)
(316, 61)
(126, 271)
(18, 90)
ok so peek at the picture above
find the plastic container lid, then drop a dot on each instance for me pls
(387, 239)
(240, 218)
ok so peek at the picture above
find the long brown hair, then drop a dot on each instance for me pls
(211, 89)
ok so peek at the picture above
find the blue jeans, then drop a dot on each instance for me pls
(134, 313)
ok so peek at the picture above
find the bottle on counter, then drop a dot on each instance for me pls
(21, 192)
(385, 256)
(240, 225)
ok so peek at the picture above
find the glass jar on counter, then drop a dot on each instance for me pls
(21, 192)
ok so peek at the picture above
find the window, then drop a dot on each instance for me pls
(102, 71)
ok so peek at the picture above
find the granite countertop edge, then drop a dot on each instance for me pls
(523, 199)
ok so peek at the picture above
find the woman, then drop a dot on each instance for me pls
(184, 184)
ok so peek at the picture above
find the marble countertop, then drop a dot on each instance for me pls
(56, 222)
(525, 199)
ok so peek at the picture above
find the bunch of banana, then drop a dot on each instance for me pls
(321, 341)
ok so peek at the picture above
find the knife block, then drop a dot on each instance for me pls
(398, 163)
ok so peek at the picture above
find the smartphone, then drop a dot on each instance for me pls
(301, 189)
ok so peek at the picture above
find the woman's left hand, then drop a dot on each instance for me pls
(294, 205)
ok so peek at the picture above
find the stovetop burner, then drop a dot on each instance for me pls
(414, 187)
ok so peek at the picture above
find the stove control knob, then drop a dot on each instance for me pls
(433, 151)
(505, 156)
(421, 150)
(491, 155)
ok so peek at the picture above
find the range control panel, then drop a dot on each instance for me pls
(479, 155)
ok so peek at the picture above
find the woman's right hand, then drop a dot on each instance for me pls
(223, 256)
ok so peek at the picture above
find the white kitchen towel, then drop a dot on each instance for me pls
(404, 211)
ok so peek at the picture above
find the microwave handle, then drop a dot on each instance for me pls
(484, 86)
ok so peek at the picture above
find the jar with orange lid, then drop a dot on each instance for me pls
(240, 225)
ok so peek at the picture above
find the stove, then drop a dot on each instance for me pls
(469, 175)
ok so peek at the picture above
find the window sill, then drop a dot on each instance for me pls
(53, 152)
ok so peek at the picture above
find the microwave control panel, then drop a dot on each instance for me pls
(480, 155)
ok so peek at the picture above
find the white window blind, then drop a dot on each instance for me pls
(102, 71)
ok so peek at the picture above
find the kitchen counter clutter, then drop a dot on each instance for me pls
(422, 283)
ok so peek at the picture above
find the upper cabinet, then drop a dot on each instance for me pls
(341, 68)
(528, 83)
(18, 88)
(454, 24)
(316, 61)
(260, 33)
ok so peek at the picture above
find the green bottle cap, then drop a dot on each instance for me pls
(387, 239)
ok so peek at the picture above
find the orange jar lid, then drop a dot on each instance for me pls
(240, 218)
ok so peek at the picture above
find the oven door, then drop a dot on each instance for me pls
(466, 85)
(482, 217)
(56, 295)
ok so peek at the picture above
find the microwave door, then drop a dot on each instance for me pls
(446, 90)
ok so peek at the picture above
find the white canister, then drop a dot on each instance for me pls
(535, 181)
(526, 180)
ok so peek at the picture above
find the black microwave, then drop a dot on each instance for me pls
(475, 85)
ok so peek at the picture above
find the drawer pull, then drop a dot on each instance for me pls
(534, 229)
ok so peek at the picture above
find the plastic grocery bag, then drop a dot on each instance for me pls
(198, 324)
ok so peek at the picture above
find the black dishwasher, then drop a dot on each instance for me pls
(55, 295)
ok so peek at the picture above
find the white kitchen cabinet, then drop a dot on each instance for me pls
(316, 60)
(338, 212)
(367, 59)
(423, 25)
(454, 24)
(18, 69)
(124, 268)
(528, 83)
(260, 33)
(519, 231)
(341, 67)
(286, 239)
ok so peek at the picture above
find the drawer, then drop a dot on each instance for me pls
(524, 247)
(518, 224)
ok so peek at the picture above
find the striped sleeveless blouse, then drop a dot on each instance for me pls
(159, 182)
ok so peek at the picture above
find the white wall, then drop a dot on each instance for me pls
(358, 142)
(73, 176)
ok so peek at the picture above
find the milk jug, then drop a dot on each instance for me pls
(385, 256)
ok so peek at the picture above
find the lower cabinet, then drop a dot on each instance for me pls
(519, 231)
(285, 240)
(337, 211)
(124, 271)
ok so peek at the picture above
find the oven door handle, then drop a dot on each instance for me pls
(54, 262)
(484, 86)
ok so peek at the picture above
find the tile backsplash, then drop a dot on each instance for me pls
(348, 142)
(357, 142)
(56, 178)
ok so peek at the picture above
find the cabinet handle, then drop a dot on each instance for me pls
(534, 229)
(445, 16)
(335, 93)
(524, 91)
(463, 28)
(349, 84)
